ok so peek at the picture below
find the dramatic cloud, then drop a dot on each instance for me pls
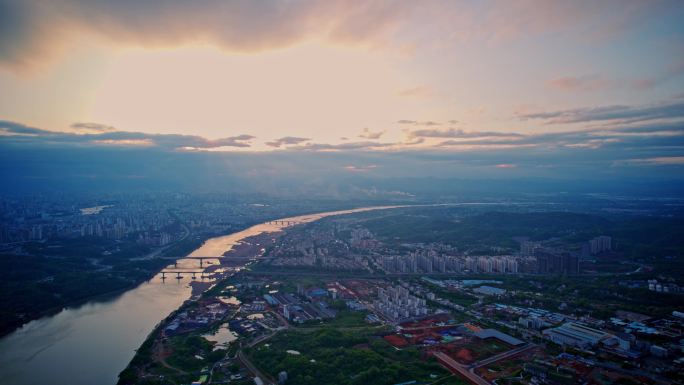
(330, 68)
(644, 153)
(125, 142)
(669, 135)
(286, 140)
(484, 144)
(17, 132)
(458, 133)
(368, 134)
(618, 113)
(33, 29)
(8, 128)
(351, 146)
(419, 123)
(648, 149)
(92, 127)
(233, 141)
(661, 137)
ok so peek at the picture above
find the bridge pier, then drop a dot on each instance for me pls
(283, 223)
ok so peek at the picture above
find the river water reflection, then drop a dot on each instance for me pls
(91, 344)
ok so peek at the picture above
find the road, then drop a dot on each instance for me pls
(501, 356)
(243, 358)
(245, 361)
(455, 367)
(468, 371)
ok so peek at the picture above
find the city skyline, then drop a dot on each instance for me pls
(343, 192)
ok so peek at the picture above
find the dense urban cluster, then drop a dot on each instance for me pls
(353, 248)
(430, 312)
(484, 341)
(414, 302)
(147, 218)
(63, 249)
(38, 220)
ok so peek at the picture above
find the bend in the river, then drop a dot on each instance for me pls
(92, 343)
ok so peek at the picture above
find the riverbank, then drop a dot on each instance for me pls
(244, 252)
(140, 270)
(79, 302)
(91, 344)
(251, 247)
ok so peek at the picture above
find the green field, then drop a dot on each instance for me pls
(334, 356)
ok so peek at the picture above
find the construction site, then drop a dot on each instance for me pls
(477, 354)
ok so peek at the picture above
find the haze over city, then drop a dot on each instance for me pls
(341, 192)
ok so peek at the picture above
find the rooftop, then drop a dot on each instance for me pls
(493, 333)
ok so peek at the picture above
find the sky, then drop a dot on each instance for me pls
(434, 87)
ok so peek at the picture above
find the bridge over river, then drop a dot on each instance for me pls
(92, 343)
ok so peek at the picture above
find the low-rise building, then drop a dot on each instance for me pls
(575, 334)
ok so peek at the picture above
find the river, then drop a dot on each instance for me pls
(92, 343)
